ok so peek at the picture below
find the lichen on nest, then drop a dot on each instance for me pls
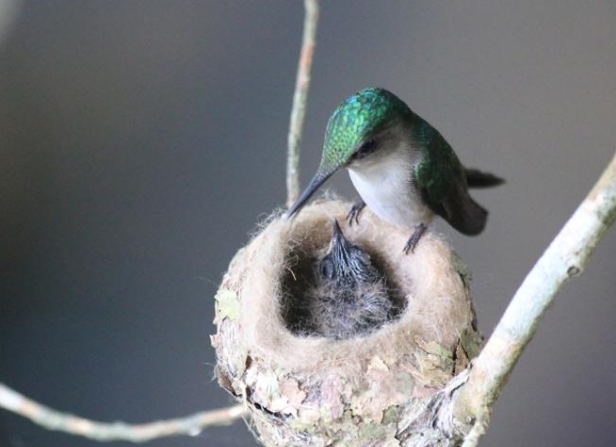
(366, 390)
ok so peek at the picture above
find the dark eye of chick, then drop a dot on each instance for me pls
(365, 149)
(327, 268)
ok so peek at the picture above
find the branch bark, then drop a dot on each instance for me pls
(300, 99)
(115, 431)
(566, 257)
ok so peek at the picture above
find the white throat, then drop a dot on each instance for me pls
(384, 182)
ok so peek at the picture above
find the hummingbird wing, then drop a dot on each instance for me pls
(441, 180)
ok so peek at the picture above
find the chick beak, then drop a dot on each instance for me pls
(314, 185)
(339, 244)
(338, 237)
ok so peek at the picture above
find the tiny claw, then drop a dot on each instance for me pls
(408, 247)
(414, 239)
(355, 212)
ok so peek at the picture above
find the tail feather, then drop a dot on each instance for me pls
(479, 179)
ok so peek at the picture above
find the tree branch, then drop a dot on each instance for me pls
(300, 98)
(116, 431)
(565, 258)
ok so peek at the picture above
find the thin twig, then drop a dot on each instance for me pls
(115, 431)
(565, 258)
(300, 98)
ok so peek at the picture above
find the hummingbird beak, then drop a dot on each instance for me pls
(314, 185)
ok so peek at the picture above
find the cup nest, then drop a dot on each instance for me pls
(372, 390)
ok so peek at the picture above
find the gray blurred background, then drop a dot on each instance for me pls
(141, 141)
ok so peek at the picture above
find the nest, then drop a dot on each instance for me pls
(372, 390)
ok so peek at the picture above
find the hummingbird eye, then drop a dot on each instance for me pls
(366, 148)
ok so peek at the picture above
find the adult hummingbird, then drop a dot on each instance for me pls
(401, 166)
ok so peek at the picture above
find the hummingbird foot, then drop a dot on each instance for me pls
(355, 212)
(414, 239)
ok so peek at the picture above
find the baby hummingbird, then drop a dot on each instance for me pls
(402, 167)
(351, 297)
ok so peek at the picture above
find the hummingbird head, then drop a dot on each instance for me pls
(354, 133)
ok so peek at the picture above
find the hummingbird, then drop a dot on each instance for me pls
(351, 296)
(401, 166)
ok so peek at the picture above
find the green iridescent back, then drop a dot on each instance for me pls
(360, 115)
(437, 173)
